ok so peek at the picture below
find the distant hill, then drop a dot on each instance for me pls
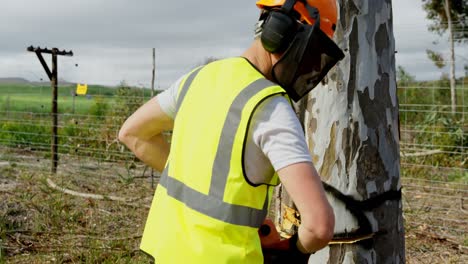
(16, 80)
(46, 82)
(19, 80)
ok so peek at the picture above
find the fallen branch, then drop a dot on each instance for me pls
(104, 238)
(462, 205)
(455, 244)
(422, 153)
(86, 195)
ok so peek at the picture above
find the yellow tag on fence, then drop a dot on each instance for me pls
(81, 89)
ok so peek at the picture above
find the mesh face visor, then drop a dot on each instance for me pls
(306, 62)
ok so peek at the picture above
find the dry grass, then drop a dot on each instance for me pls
(41, 225)
(436, 217)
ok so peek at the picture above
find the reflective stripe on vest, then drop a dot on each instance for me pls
(213, 204)
(184, 89)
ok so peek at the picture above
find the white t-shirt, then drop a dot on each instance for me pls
(275, 140)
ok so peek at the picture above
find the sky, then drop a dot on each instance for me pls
(112, 40)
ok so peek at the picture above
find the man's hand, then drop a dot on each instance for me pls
(305, 188)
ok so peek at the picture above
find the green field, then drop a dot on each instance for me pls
(92, 120)
(38, 99)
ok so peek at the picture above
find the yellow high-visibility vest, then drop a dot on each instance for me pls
(204, 209)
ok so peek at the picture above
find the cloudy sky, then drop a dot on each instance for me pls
(113, 39)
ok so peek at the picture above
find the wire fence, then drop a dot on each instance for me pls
(434, 167)
(434, 146)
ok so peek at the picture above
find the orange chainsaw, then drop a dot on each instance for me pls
(276, 250)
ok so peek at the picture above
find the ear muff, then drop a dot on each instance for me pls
(278, 31)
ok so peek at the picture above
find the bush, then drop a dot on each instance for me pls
(23, 135)
(446, 133)
(128, 100)
(99, 108)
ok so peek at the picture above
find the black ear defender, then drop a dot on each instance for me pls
(279, 28)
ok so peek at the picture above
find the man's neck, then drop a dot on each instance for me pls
(260, 58)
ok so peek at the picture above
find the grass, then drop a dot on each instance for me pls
(24, 98)
(6, 88)
(42, 104)
(87, 126)
(41, 225)
(38, 98)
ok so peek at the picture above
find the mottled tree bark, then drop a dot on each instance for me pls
(351, 126)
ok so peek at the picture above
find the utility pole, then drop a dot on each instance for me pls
(154, 72)
(453, 91)
(351, 126)
(152, 95)
(53, 77)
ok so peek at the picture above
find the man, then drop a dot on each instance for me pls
(235, 136)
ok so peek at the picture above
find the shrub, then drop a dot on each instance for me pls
(99, 108)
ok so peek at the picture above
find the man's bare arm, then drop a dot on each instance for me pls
(142, 134)
(304, 186)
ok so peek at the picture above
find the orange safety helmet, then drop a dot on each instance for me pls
(326, 8)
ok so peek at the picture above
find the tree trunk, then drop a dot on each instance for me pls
(453, 94)
(352, 129)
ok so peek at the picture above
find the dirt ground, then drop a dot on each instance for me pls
(436, 216)
(54, 220)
